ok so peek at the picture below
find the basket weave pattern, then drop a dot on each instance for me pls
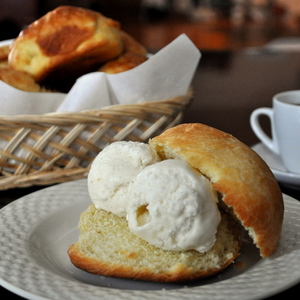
(59, 147)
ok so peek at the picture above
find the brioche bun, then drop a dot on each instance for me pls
(20, 80)
(107, 247)
(68, 40)
(133, 55)
(65, 44)
(248, 194)
(246, 183)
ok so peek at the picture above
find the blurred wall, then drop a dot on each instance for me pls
(19, 12)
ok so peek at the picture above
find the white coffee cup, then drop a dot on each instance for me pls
(285, 128)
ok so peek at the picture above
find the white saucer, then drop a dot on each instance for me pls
(276, 165)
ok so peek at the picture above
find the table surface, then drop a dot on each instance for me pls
(228, 86)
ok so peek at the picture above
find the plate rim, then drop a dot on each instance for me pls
(158, 293)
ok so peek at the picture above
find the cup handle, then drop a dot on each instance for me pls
(255, 125)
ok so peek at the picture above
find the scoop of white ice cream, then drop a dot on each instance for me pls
(173, 207)
(113, 171)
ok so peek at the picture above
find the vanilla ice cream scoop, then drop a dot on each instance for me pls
(173, 207)
(113, 171)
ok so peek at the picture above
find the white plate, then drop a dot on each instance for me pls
(276, 165)
(37, 229)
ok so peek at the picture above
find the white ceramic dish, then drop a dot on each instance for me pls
(276, 165)
(37, 229)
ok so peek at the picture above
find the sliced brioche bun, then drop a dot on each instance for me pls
(107, 247)
(244, 180)
(247, 188)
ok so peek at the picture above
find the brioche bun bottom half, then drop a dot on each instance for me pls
(107, 247)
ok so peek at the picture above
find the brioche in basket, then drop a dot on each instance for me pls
(66, 39)
(247, 197)
(67, 43)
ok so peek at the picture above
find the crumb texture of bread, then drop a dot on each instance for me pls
(107, 247)
(244, 180)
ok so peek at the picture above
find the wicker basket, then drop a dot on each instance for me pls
(59, 147)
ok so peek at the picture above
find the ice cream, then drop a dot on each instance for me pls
(166, 203)
(173, 207)
(113, 171)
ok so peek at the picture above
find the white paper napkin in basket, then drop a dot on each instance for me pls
(165, 75)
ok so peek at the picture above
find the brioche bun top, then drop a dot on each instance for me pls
(247, 185)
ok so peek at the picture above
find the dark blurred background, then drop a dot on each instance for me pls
(211, 24)
(236, 74)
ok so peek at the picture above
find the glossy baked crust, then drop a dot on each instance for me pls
(4, 51)
(19, 80)
(133, 55)
(68, 41)
(125, 62)
(244, 180)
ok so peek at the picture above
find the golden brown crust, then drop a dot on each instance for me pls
(4, 51)
(107, 247)
(68, 39)
(238, 173)
(20, 80)
(125, 62)
(132, 45)
(133, 55)
(179, 274)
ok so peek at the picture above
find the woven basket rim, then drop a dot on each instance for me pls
(125, 106)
